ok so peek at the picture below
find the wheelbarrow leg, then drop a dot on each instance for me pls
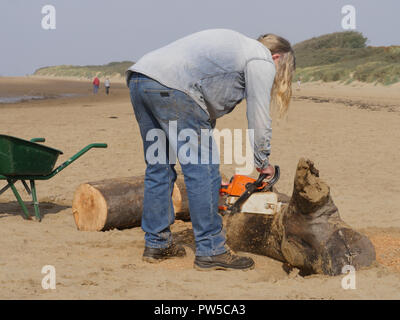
(35, 202)
(4, 189)
(21, 203)
(26, 187)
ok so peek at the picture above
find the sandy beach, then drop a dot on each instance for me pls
(351, 132)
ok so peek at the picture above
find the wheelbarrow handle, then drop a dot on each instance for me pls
(73, 158)
(84, 150)
(98, 145)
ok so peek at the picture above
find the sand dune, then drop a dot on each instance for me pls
(355, 149)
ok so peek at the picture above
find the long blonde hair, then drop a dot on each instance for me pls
(282, 87)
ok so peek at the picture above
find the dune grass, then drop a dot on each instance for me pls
(108, 70)
(344, 56)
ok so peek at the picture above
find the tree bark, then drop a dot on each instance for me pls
(118, 203)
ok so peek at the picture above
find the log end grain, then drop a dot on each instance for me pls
(177, 199)
(89, 208)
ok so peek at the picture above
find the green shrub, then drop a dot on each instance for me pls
(344, 56)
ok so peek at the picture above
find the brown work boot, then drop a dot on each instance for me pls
(153, 255)
(225, 261)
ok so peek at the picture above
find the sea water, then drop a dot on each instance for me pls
(17, 99)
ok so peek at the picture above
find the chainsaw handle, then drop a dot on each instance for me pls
(275, 178)
(260, 179)
(251, 188)
(272, 181)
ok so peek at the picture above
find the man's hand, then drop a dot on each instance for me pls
(269, 171)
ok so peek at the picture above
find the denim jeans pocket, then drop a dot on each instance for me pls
(163, 104)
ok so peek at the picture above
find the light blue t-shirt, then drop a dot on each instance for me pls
(218, 68)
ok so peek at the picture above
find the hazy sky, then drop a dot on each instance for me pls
(101, 31)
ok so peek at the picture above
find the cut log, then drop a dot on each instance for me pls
(118, 203)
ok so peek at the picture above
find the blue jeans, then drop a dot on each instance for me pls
(155, 107)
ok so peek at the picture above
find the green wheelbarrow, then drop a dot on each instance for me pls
(28, 160)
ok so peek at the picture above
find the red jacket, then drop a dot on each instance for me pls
(96, 81)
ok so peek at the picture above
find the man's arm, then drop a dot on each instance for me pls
(259, 77)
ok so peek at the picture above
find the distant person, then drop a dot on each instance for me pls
(107, 86)
(299, 82)
(96, 85)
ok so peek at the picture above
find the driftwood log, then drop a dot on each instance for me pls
(306, 233)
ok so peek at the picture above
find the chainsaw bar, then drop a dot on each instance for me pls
(251, 188)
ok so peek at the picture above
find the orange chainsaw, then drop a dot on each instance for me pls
(240, 195)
